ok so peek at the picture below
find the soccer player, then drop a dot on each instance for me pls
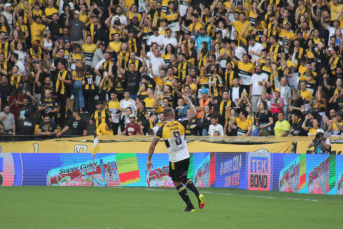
(173, 133)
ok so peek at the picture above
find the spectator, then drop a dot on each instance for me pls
(282, 126)
(202, 37)
(192, 128)
(27, 107)
(205, 120)
(313, 131)
(8, 120)
(285, 93)
(181, 109)
(205, 100)
(336, 125)
(100, 115)
(256, 86)
(5, 91)
(321, 145)
(113, 106)
(48, 106)
(16, 101)
(296, 126)
(105, 129)
(2, 129)
(264, 120)
(27, 125)
(77, 77)
(77, 125)
(276, 104)
(215, 127)
(47, 128)
(63, 80)
(308, 122)
(243, 102)
(223, 106)
(243, 124)
(148, 124)
(296, 103)
(306, 95)
(133, 78)
(132, 128)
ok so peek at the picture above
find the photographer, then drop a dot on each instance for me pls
(321, 145)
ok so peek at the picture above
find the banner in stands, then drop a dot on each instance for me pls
(259, 170)
(62, 146)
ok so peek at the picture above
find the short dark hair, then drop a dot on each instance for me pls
(168, 111)
(15, 55)
(245, 113)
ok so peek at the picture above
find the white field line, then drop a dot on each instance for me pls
(231, 194)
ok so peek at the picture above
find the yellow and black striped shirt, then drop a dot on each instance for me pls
(60, 85)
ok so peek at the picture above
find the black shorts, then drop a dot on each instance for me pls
(179, 170)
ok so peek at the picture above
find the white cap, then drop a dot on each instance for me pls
(132, 116)
(320, 131)
(8, 5)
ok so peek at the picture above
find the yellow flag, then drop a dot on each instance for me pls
(96, 147)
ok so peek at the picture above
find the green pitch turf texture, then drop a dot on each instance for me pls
(95, 207)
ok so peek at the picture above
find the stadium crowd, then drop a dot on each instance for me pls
(268, 67)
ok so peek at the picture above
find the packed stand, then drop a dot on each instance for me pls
(256, 68)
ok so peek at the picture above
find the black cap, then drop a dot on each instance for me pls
(98, 102)
(219, 31)
(38, 16)
(96, 16)
(117, 22)
(171, 2)
(165, 20)
(202, 28)
(287, 23)
(103, 43)
(135, 16)
(131, 31)
(187, 32)
(154, 29)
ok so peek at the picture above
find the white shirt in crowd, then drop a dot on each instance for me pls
(239, 51)
(167, 41)
(235, 94)
(157, 62)
(257, 47)
(21, 56)
(156, 39)
(127, 103)
(122, 19)
(21, 67)
(255, 78)
(219, 128)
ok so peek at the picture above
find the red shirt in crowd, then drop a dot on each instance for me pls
(15, 108)
(132, 129)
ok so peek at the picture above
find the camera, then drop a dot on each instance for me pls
(318, 136)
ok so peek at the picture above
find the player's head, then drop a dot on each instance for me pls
(168, 113)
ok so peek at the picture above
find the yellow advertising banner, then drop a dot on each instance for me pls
(86, 146)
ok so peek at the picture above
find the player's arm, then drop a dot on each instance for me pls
(191, 106)
(151, 152)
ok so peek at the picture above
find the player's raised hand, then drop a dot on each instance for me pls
(148, 165)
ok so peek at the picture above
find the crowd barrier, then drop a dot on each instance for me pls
(259, 170)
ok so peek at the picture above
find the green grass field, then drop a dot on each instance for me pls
(95, 207)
